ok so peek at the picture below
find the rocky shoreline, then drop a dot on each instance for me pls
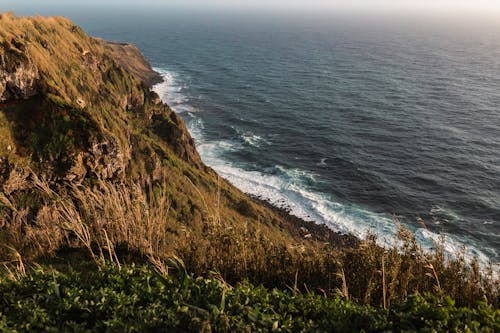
(296, 226)
(308, 229)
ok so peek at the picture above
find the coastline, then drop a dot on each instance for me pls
(131, 58)
(309, 230)
(296, 226)
(348, 231)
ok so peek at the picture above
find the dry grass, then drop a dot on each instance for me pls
(139, 67)
(75, 71)
(119, 223)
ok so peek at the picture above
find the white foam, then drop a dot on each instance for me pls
(285, 188)
(441, 213)
(252, 139)
(322, 162)
(172, 93)
(286, 191)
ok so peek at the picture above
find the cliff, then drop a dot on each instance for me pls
(84, 110)
(130, 58)
(77, 114)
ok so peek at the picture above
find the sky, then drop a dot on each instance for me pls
(347, 4)
(486, 6)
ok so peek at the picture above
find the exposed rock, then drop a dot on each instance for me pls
(155, 98)
(78, 171)
(174, 131)
(18, 73)
(94, 122)
(133, 61)
(107, 161)
(81, 103)
(135, 100)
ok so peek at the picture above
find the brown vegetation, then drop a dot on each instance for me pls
(130, 58)
(123, 224)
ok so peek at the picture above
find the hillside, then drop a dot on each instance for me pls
(78, 117)
(96, 170)
(130, 58)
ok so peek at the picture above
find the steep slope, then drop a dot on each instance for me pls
(129, 56)
(76, 115)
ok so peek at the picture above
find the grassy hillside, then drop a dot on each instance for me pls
(92, 121)
(132, 60)
(94, 169)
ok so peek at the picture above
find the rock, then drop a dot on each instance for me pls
(155, 98)
(95, 141)
(18, 73)
(173, 130)
(81, 103)
(135, 100)
(106, 160)
(78, 171)
(128, 56)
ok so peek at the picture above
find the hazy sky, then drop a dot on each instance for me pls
(363, 5)
(332, 4)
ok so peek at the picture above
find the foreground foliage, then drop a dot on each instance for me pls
(131, 224)
(133, 299)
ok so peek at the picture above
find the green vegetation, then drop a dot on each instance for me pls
(59, 132)
(139, 299)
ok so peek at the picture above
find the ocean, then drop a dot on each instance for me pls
(343, 120)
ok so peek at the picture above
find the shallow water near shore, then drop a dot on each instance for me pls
(341, 121)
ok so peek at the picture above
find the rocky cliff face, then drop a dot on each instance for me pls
(76, 111)
(92, 99)
(129, 56)
(18, 72)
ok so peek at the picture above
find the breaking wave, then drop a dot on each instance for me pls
(288, 188)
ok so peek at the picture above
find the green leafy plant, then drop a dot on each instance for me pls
(140, 299)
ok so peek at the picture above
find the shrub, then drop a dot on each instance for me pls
(139, 299)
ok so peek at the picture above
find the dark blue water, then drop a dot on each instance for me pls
(345, 121)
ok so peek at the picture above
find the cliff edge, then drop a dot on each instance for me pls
(80, 128)
(130, 58)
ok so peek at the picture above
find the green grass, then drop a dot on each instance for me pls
(138, 299)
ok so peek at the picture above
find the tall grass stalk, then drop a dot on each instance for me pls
(120, 223)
